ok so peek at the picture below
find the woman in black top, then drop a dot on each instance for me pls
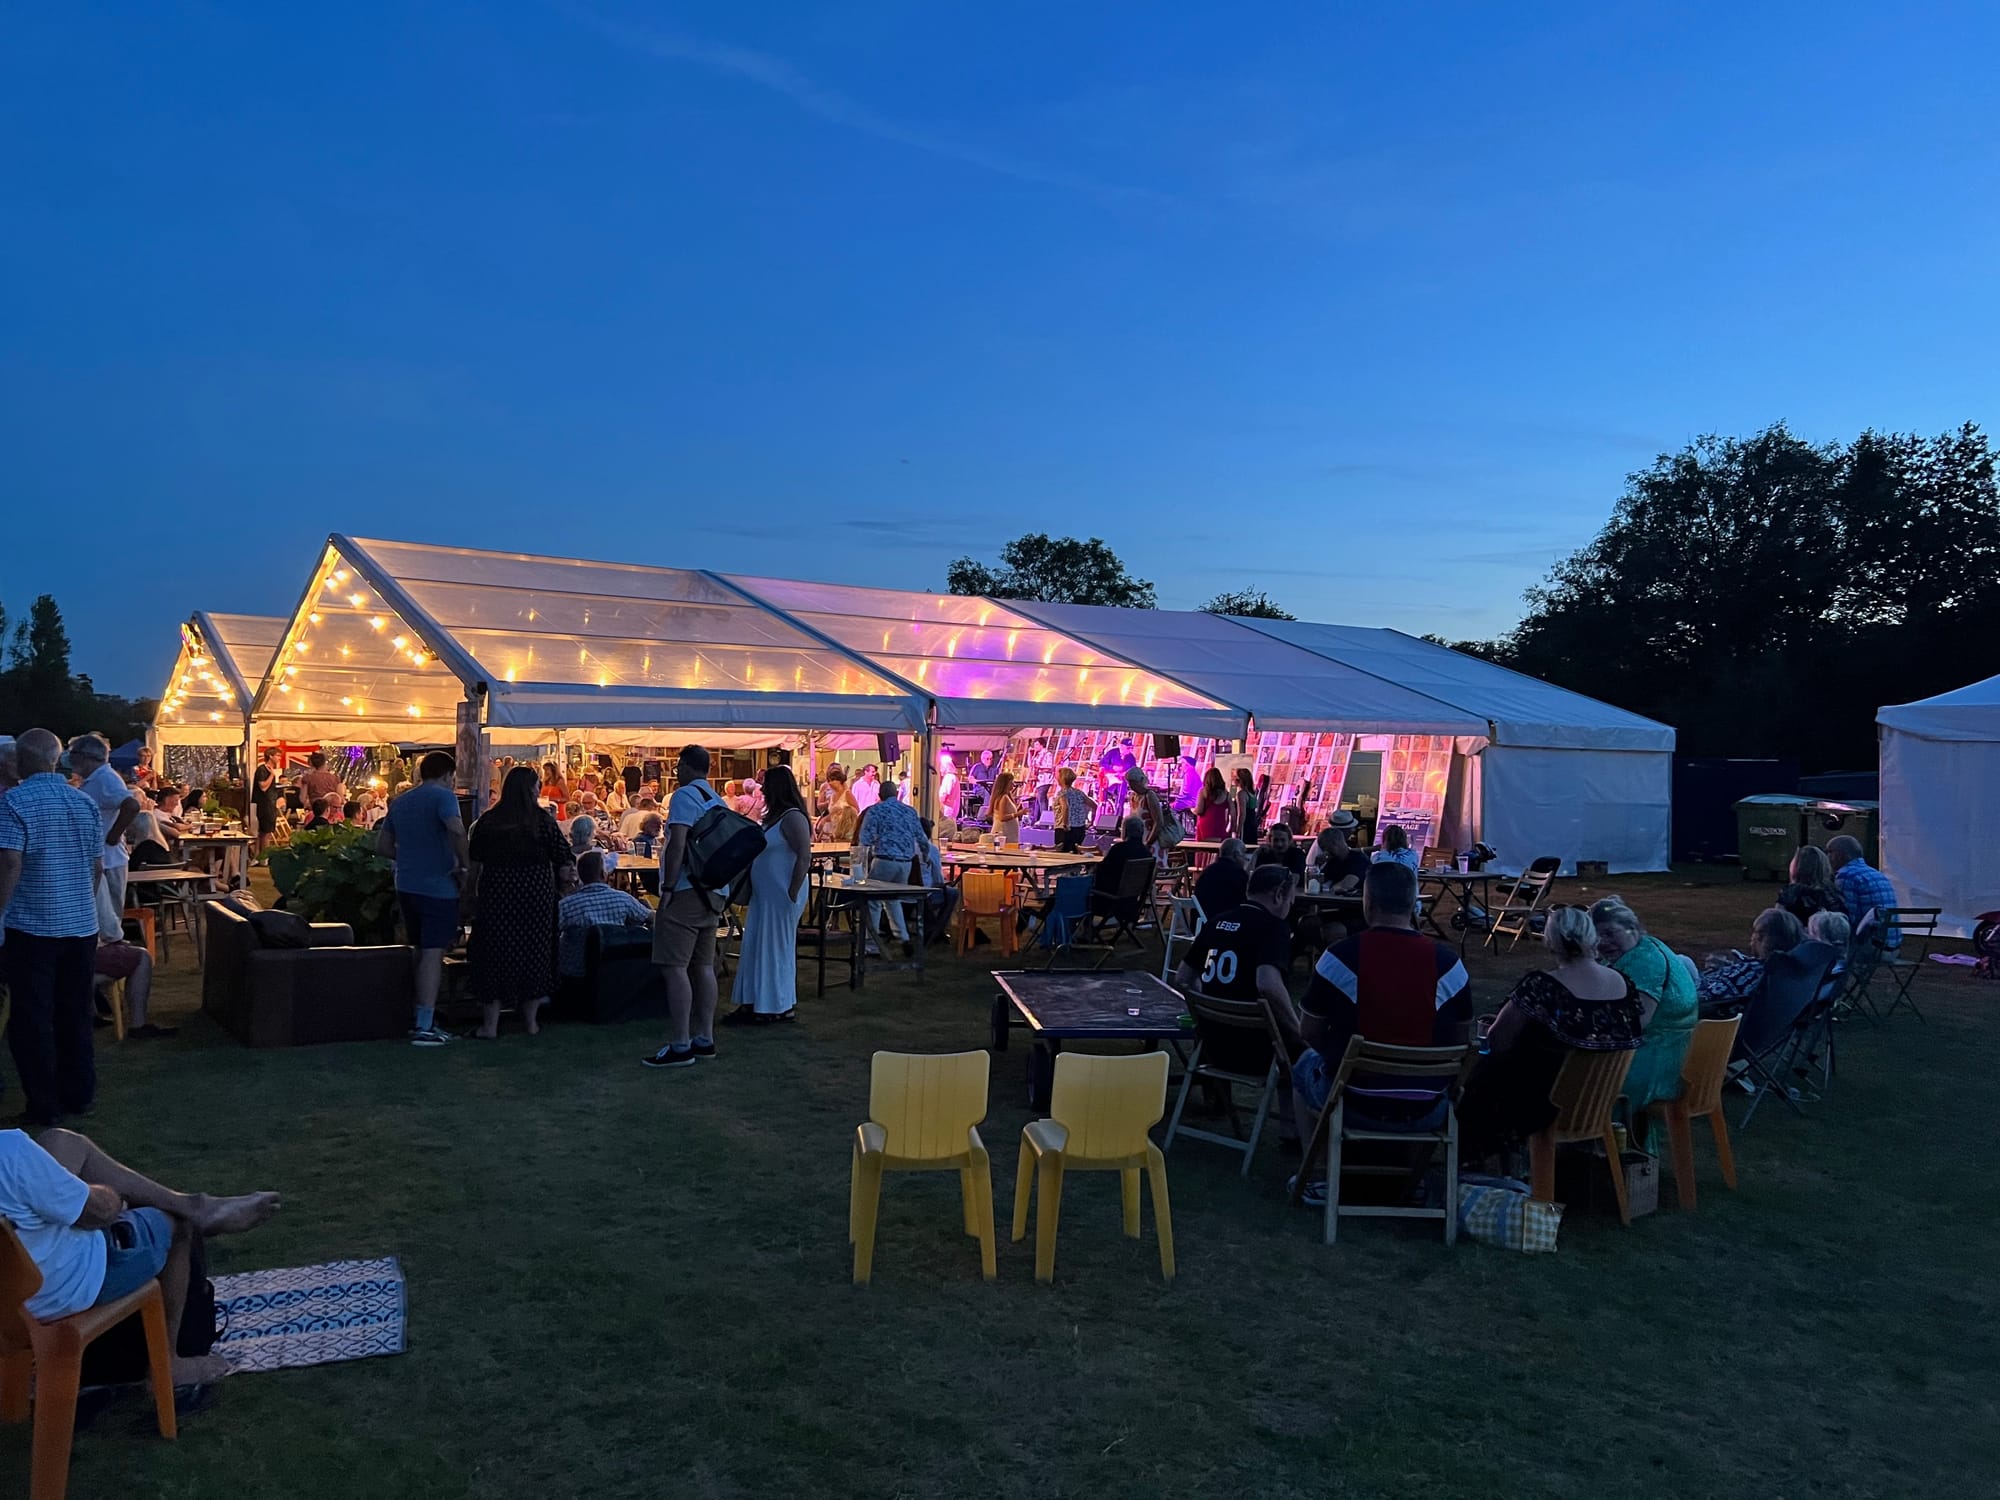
(516, 853)
(1811, 889)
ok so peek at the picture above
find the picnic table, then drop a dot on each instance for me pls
(1059, 1005)
(184, 885)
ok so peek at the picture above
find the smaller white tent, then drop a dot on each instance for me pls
(1941, 802)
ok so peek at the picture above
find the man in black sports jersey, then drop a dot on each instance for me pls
(1244, 954)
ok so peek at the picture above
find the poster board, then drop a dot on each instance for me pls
(1415, 774)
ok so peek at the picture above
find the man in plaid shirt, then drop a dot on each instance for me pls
(594, 904)
(1865, 888)
(51, 853)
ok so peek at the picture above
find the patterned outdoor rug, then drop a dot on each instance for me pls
(311, 1315)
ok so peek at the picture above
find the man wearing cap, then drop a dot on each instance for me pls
(1334, 862)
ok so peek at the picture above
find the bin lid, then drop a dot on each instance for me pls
(1776, 799)
(1854, 806)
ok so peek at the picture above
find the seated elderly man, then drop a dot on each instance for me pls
(1221, 886)
(128, 961)
(1110, 874)
(1864, 888)
(635, 816)
(1334, 861)
(593, 904)
(97, 1230)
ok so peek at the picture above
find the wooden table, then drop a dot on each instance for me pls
(1068, 1005)
(231, 850)
(185, 885)
(1038, 867)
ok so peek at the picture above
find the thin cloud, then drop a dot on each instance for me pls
(778, 76)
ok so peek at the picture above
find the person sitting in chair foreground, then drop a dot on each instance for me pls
(1110, 873)
(98, 1231)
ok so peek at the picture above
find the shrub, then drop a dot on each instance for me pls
(335, 875)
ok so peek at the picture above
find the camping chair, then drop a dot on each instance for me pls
(1817, 1049)
(1068, 915)
(1920, 922)
(1586, 1087)
(1183, 925)
(1245, 1022)
(1129, 904)
(1864, 957)
(923, 1116)
(1517, 900)
(1772, 1042)
(1100, 1110)
(51, 1355)
(986, 894)
(1446, 1068)
(1703, 1072)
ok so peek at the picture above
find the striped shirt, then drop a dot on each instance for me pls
(594, 905)
(56, 831)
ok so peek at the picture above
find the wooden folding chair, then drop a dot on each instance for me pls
(1446, 1068)
(988, 895)
(1586, 1087)
(1517, 900)
(1918, 922)
(1183, 925)
(1212, 1013)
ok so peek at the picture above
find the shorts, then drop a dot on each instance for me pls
(1312, 1081)
(135, 1251)
(119, 960)
(429, 922)
(684, 932)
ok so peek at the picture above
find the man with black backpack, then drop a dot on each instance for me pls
(704, 852)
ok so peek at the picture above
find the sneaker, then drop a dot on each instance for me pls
(702, 1046)
(667, 1057)
(431, 1036)
(1314, 1195)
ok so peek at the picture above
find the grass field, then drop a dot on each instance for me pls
(629, 1283)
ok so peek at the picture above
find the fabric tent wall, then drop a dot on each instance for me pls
(1940, 801)
(1612, 805)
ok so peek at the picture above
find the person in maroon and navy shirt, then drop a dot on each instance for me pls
(1388, 983)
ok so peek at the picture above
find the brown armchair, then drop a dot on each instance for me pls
(329, 991)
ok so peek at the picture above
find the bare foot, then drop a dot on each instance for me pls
(234, 1215)
(203, 1369)
(482, 1034)
(530, 1017)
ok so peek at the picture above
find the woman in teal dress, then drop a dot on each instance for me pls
(1666, 994)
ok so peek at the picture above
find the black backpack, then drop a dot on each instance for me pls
(721, 847)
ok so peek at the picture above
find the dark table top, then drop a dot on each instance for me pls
(1059, 1003)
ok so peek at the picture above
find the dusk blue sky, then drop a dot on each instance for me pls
(1371, 306)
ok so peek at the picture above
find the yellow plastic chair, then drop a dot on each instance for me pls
(923, 1116)
(1100, 1110)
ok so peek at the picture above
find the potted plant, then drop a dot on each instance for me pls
(335, 875)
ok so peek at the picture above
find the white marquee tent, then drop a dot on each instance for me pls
(1941, 801)
(222, 660)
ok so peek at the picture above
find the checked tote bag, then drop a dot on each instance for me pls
(1499, 1211)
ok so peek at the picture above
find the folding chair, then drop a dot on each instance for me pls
(1184, 922)
(1446, 1068)
(1864, 957)
(1586, 1086)
(1517, 900)
(1775, 1030)
(1920, 922)
(1067, 916)
(1134, 893)
(1244, 1022)
(1817, 1051)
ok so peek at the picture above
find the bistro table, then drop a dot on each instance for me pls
(835, 896)
(1468, 890)
(1070, 1005)
(184, 886)
(1037, 865)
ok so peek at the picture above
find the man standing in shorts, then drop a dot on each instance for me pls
(424, 834)
(684, 930)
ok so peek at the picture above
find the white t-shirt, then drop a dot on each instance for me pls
(107, 792)
(43, 1202)
(866, 793)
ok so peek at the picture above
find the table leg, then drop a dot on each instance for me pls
(1000, 1027)
(1041, 1074)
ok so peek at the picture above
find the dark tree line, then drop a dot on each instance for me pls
(1765, 595)
(38, 689)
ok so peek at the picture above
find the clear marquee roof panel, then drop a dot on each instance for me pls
(988, 665)
(221, 661)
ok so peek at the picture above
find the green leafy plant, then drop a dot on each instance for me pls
(335, 875)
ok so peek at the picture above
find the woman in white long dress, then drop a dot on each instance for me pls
(767, 978)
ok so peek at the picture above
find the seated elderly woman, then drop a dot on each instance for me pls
(1579, 1005)
(1732, 980)
(1811, 889)
(1831, 928)
(1665, 989)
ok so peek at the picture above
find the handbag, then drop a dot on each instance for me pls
(1170, 831)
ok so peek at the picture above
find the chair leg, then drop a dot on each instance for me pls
(1306, 1160)
(981, 1204)
(968, 1201)
(58, 1370)
(1617, 1165)
(1451, 1179)
(1680, 1140)
(1180, 1100)
(160, 1359)
(1263, 1113)
(17, 1371)
(1024, 1185)
(1330, 1229)
(1722, 1148)
(1128, 1193)
(868, 1201)
(1049, 1169)
(1163, 1214)
(1542, 1166)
